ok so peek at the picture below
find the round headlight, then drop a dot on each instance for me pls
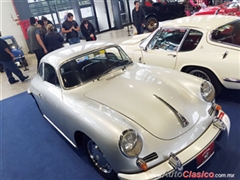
(207, 91)
(130, 143)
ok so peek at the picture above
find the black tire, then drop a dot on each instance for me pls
(207, 75)
(152, 23)
(24, 62)
(110, 175)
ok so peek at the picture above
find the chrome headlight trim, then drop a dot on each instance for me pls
(207, 91)
(130, 143)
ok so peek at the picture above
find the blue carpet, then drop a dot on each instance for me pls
(32, 149)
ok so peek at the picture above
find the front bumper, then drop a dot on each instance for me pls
(185, 156)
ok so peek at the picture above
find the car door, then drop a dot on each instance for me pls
(161, 50)
(51, 97)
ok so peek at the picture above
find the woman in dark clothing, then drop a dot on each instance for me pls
(53, 40)
(88, 30)
(42, 30)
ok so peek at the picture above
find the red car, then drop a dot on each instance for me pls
(228, 8)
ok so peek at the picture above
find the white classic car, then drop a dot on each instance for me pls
(205, 46)
(134, 121)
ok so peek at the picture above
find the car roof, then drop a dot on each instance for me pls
(57, 57)
(201, 22)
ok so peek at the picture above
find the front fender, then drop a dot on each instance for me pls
(104, 126)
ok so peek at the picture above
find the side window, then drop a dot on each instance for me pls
(227, 34)
(192, 40)
(40, 70)
(167, 39)
(50, 75)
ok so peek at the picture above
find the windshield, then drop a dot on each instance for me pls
(92, 65)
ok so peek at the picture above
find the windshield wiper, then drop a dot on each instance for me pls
(125, 65)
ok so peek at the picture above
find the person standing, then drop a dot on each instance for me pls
(88, 30)
(42, 30)
(46, 21)
(188, 5)
(6, 59)
(138, 15)
(70, 28)
(53, 39)
(35, 42)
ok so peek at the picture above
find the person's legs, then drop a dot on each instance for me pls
(138, 29)
(74, 40)
(39, 54)
(10, 67)
(77, 40)
(10, 77)
(1, 68)
(141, 29)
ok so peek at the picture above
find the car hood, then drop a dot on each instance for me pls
(135, 39)
(147, 97)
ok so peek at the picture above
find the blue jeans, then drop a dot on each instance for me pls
(74, 40)
(140, 29)
(10, 67)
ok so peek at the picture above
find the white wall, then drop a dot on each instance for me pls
(10, 27)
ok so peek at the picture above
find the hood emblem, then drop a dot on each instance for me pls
(182, 120)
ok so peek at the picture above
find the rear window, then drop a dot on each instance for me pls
(227, 34)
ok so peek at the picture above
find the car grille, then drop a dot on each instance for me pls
(150, 157)
(211, 110)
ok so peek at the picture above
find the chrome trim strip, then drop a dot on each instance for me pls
(59, 130)
(182, 120)
(232, 80)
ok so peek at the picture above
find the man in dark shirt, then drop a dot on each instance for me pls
(71, 28)
(6, 59)
(35, 41)
(138, 18)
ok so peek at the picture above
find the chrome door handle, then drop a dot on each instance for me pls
(225, 55)
(173, 55)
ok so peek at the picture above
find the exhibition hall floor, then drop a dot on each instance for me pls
(31, 149)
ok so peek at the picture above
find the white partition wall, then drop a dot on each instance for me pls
(110, 10)
(10, 27)
(101, 15)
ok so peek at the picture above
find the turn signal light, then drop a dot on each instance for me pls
(142, 164)
(218, 107)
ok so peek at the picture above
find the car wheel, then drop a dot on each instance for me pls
(24, 62)
(152, 23)
(98, 160)
(207, 75)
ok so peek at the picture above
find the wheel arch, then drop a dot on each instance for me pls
(78, 137)
(184, 69)
(151, 15)
(213, 76)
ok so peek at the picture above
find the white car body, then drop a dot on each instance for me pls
(208, 54)
(171, 117)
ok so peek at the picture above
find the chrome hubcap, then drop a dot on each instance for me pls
(200, 74)
(152, 24)
(98, 157)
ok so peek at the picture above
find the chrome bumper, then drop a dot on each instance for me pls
(175, 162)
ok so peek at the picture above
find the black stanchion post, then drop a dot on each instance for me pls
(128, 31)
